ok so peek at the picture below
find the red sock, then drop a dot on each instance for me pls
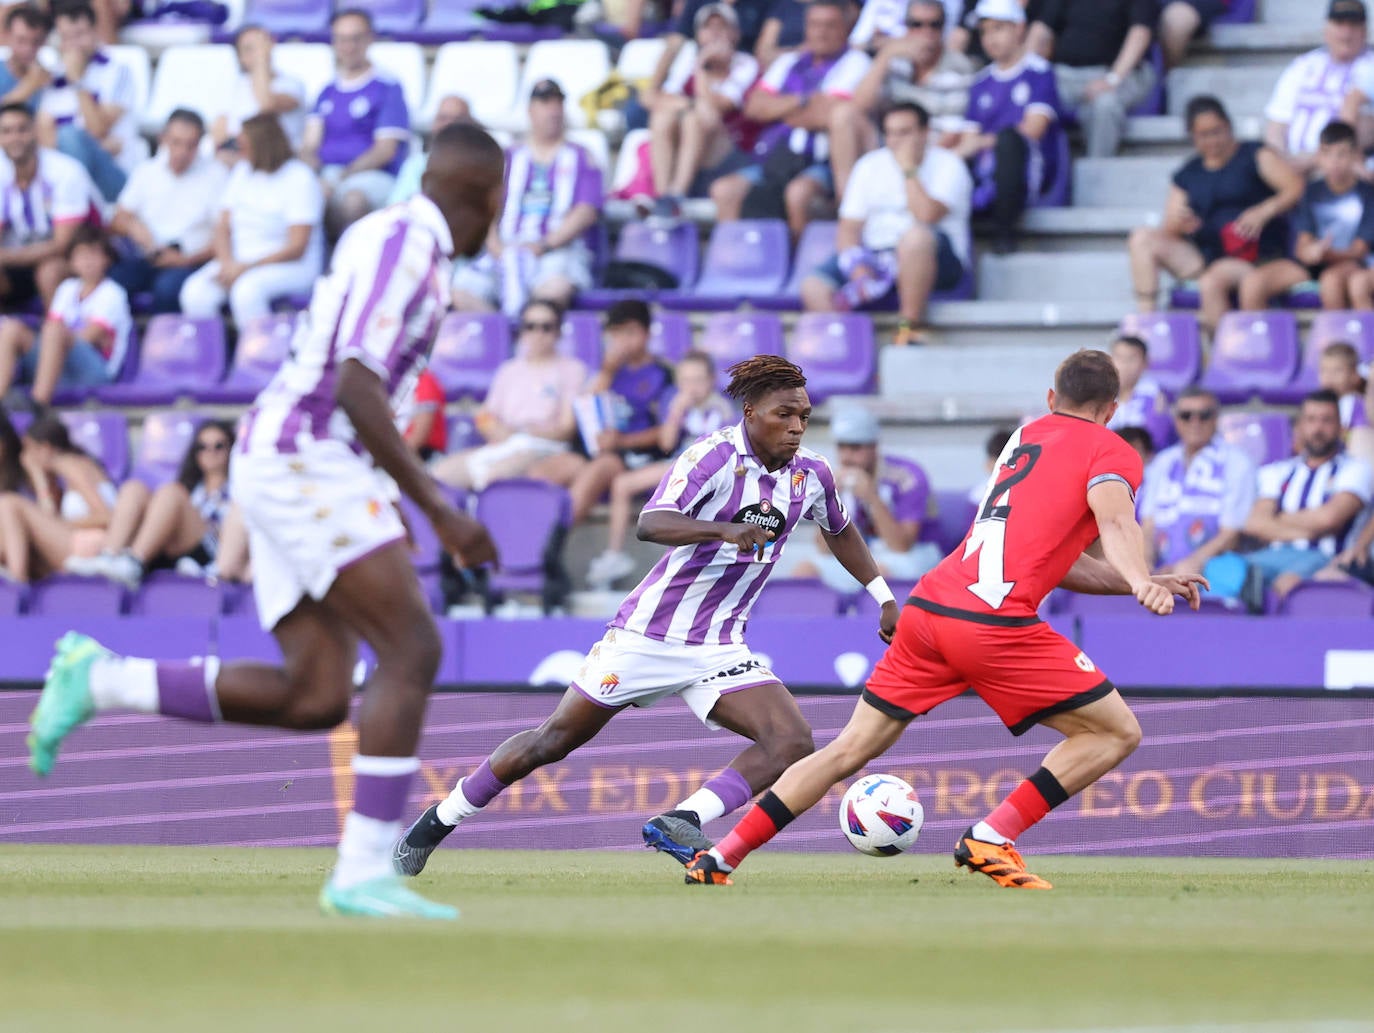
(1027, 803)
(765, 820)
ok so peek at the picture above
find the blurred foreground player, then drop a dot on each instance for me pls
(727, 506)
(1062, 483)
(330, 559)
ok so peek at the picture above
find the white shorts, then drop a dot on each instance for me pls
(625, 667)
(309, 515)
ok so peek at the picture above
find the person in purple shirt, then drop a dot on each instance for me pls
(358, 133)
(1012, 133)
(539, 249)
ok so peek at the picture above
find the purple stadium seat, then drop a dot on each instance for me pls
(581, 338)
(12, 598)
(1175, 346)
(463, 432)
(796, 597)
(431, 588)
(1241, 12)
(290, 17)
(178, 355)
(815, 247)
(1252, 352)
(523, 516)
(166, 436)
(1354, 328)
(467, 350)
(670, 336)
(168, 594)
(837, 351)
(104, 435)
(391, 17)
(236, 599)
(1329, 599)
(954, 513)
(75, 597)
(1265, 436)
(426, 549)
(729, 337)
(744, 259)
(262, 347)
(675, 249)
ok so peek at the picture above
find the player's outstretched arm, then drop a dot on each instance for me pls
(363, 398)
(852, 551)
(1123, 545)
(669, 527)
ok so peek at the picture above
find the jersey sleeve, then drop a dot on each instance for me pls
(1283, 101)
(776, 76)
(694, 476)
(844, 77)
(63, 307)
(587, 188)
(108, 306)
(373, 323)
(744, 69)
(1356, 478)
(1269, 483)
(826, 508)
(304, 199)
(393, 120)
(1115, 461)
(71, 200)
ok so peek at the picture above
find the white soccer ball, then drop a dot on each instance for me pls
(881, 815)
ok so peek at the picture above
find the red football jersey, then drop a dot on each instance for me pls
(1034, 521)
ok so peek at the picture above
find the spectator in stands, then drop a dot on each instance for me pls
(12, 474)
(915, 68)
(527, 418)
(1198, 493)
(697, 131)
(44, 197)
(1335, 230)
(1140, 439)
(963, 32)
(1338, 371)
(880, 22)
(993, 446)
(88, 111)
(1180, 21)
(357, 135)
(179, 525)
(22, 78)
(71, 504)
(1222, 216)
(697, 409)
(1012, 134)
(888, 498)
(450, 110)
(86, 333)
(259, 90)
(750, 14)
(1334, 81)
(796, 101)
(904, 222)
(1309, 507)
(784, 30)
(268, 239)
(636, 388)
(1141, 401)
(1099, 49)
(427, 431)
(167, 214)
(539, 247)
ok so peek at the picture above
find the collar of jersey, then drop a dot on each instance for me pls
(427, 214)
(745, 448)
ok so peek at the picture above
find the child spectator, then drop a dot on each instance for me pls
(992, 451)
(1142, 402)
(1338, 371)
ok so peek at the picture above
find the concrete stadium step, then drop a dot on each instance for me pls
(1123, 182)
(1245, 90)
(942, 382)
(1301, 12)
(1067, 276)
(1080, 229)
(1245, 40)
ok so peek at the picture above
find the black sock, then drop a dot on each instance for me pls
(691, 816)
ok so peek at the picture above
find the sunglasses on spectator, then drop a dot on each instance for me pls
(211, 446)
(917, 23)
(1188, 415)
(539, 328)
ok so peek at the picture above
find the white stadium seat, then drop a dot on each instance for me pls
(639, 58)
(483, 73)
(404, 62)
(311, 63)
(594, 140)
(627, 161)
(199, 77)
(136, 60)
(577, 65)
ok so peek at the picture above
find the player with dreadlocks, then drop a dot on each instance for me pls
(726, 508)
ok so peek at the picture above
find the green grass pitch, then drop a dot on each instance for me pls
(218, 939)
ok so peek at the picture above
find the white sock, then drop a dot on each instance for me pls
(720, 860)
(364, 850)
(125, 683)
(707, 805)
(985, 833)
(455, 807)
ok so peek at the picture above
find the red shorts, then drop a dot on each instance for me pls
(1024, 673)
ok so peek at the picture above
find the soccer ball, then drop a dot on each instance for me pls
(880, 815)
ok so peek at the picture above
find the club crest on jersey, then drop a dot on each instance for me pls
(762, 514)
(1084, 664)
(798, 483)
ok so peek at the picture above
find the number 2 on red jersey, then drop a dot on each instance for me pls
(988, 538)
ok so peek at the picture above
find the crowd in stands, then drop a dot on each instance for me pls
(908, 122)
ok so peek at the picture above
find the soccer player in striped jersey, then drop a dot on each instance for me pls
(727, 507)
(330, 560)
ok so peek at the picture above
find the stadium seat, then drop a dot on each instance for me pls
(837, 351)
(467, 350)
(581, 338)
(403, 61)
(12, 598)
(639, 57)
(105, 435)
(177, 356)
(262, 347)
(1353, 328)
(1252, 352)
(1328, 599)
(730, 337)
(816, 246)
(200, 77)
(484, 74)
(286, 18)
(1266, 437)
(166, 436)
(463, 432)
(577, 65)
(745, 258)
(425, 547)
(670, 336)
(593, 141)
(1175, 346)
(796, 597)
(311, 63)
(954, 513)
(673, 249)
(527, 518)
(167, 594)
(67, 596)
(391, 17)
(140, 70)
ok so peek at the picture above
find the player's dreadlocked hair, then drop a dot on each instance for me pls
(753, 378)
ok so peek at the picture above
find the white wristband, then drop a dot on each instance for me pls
(877, 588)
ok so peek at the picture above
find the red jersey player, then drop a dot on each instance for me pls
(1063, 483)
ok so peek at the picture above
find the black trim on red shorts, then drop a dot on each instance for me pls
(884, 707)
(997, 620)
(1072, 703)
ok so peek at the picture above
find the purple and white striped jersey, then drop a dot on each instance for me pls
(702, 594)
(381, 304)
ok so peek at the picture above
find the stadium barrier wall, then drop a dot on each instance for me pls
(1266, 775)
